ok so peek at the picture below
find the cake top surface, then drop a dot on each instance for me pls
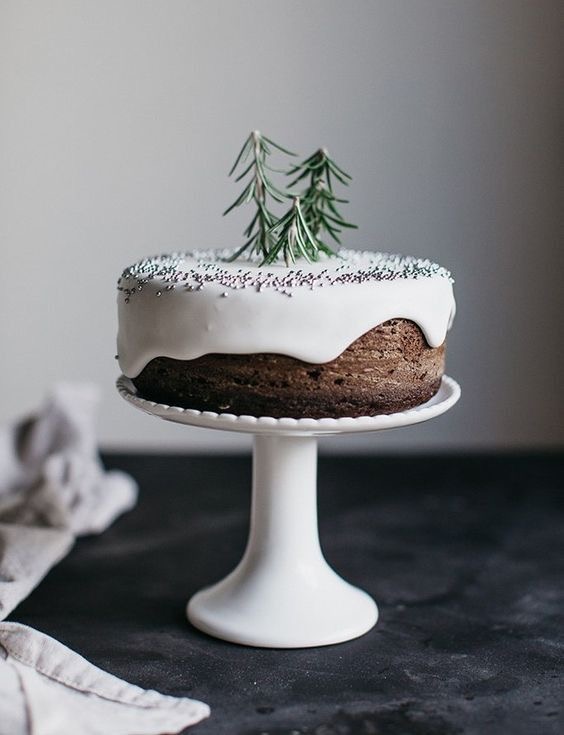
(192, 270)
(185, 305)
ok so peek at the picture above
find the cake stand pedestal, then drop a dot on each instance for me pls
(283, 594)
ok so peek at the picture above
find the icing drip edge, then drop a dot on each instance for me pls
(311, 312)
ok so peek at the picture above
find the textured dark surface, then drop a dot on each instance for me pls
(462, 555)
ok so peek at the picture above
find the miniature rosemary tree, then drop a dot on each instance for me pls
(259, 234)
(318, 201)
(312, 214)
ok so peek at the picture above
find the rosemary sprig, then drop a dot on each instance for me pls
(297, 234)
(319, 203)
(293, 238)
(260, 188)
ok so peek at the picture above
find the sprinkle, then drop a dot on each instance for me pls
(193, 270)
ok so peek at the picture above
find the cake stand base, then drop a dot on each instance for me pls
(283, 594)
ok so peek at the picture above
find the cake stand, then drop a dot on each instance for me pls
(283, 594)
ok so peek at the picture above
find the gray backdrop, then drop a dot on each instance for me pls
(120, 120)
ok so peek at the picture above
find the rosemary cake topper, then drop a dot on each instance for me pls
(312, 214)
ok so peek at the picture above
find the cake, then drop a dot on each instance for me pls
(355, 334)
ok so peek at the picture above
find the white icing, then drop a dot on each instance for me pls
(162, 312)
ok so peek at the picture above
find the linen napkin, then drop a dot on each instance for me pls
(53, 488)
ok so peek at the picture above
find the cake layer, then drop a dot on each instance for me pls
(390, 368)
(187, 305)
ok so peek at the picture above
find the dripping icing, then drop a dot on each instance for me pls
(176, 306)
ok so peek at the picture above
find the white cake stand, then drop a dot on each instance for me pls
(283, 594)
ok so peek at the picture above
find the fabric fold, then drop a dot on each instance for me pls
(64, 693)
(53, 488)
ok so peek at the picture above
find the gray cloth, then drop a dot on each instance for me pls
(53, 488)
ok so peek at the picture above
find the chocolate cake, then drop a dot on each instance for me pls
(357, 334)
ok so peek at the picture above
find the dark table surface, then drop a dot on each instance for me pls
(462, 554)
